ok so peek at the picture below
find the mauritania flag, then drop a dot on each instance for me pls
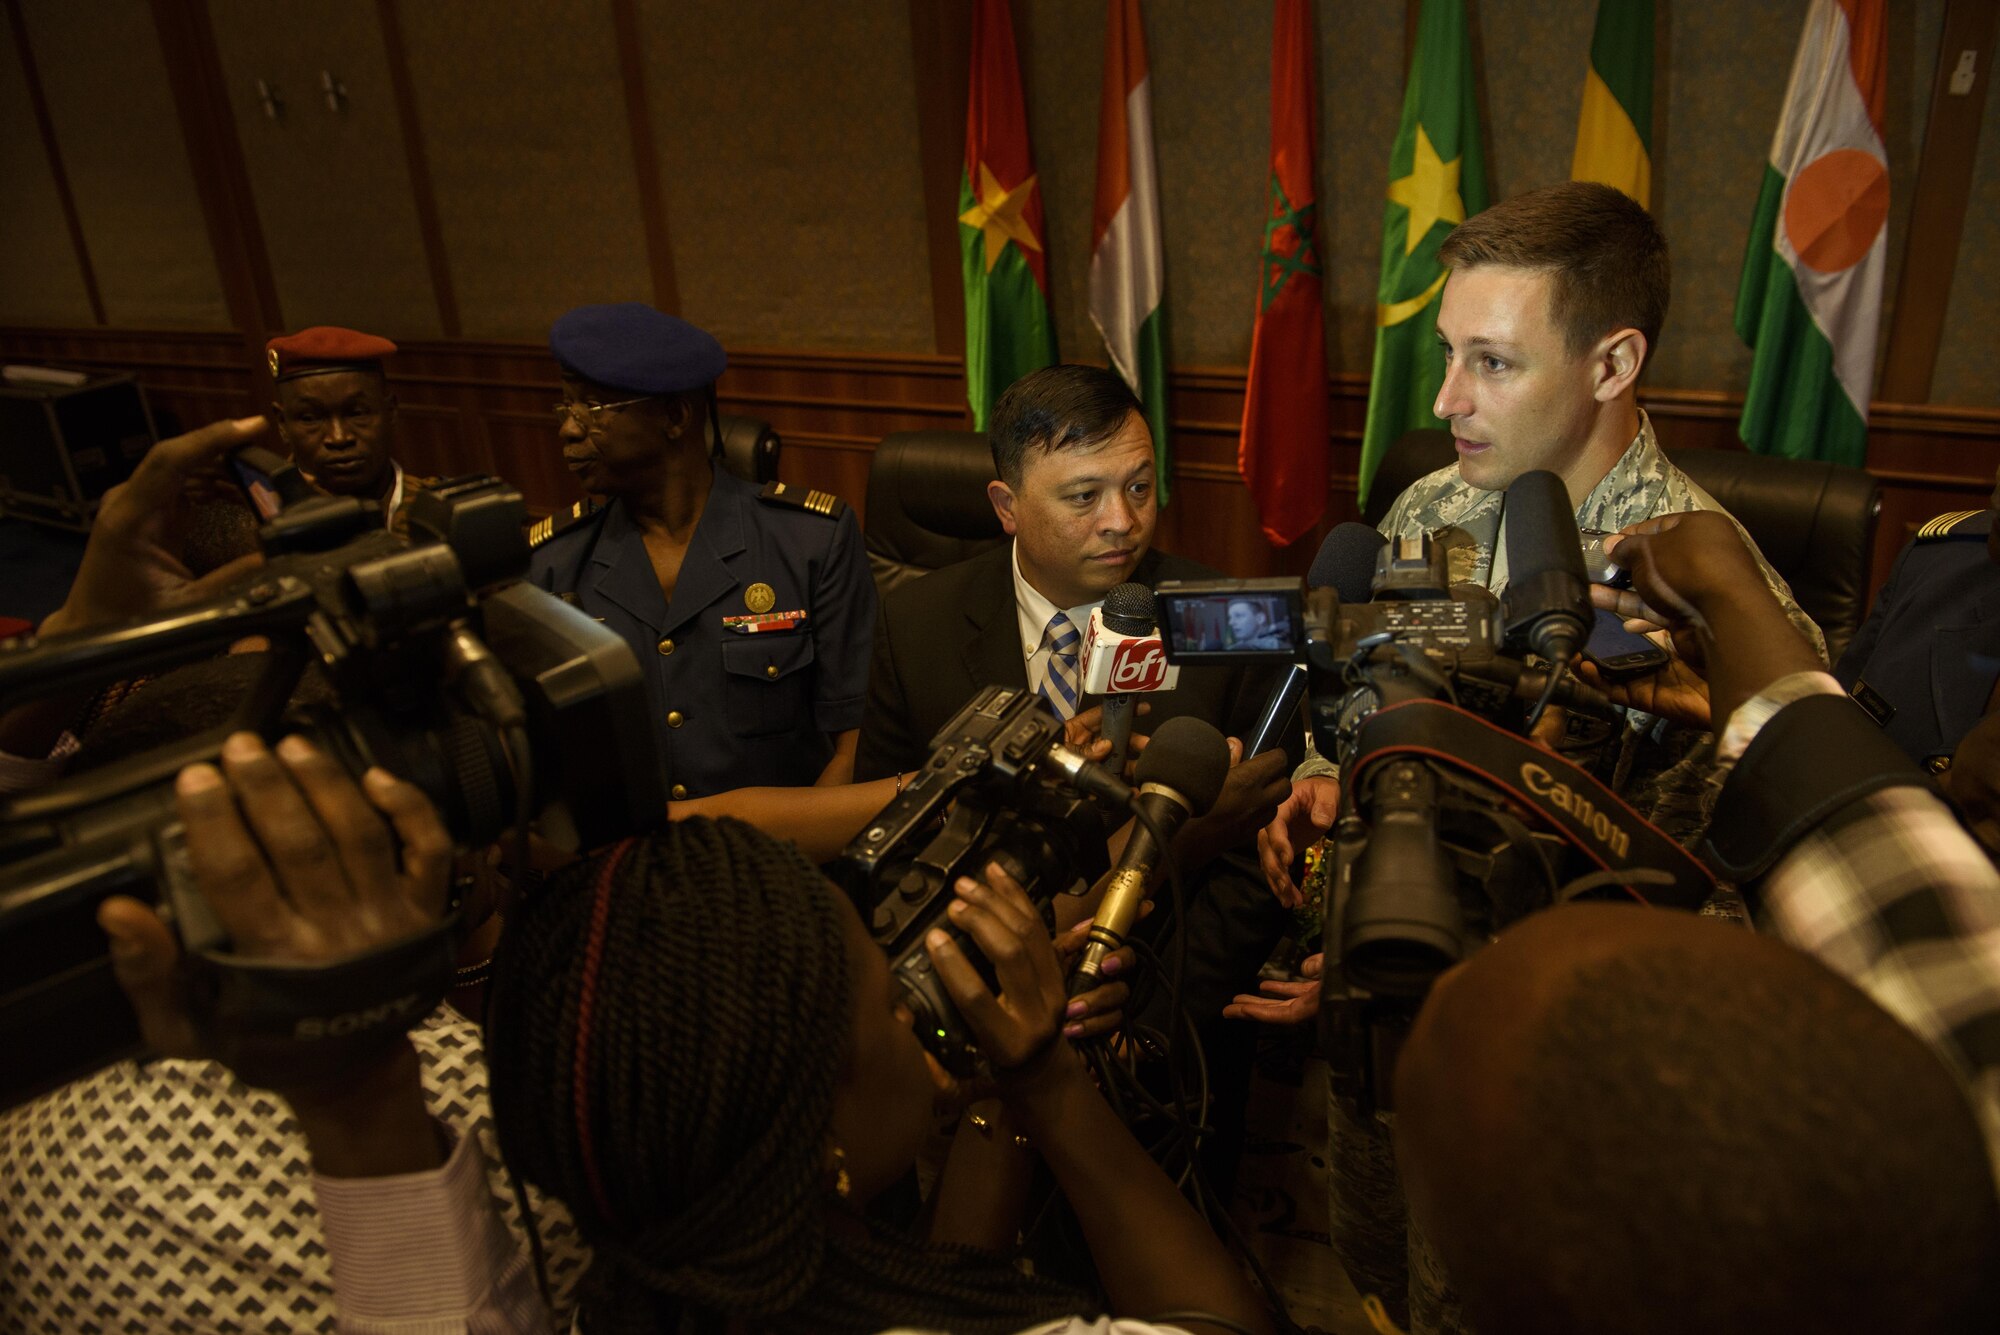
(1127, 276)
(1008, 332)
(1614, 134)
(1437, 179)
(1810, 301)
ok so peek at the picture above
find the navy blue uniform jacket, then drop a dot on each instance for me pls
(732, 709)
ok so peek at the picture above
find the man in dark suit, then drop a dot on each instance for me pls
(1076, 493)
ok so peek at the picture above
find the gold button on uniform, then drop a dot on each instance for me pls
(666, 647)
(673, 718)
(771, 671)
(680, 792)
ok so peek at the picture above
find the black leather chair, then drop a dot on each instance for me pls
(750, 448)
(1815, 522)
(927, 505)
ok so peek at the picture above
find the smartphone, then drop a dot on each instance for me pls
(1618, 653)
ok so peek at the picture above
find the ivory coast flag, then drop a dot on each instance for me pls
(1127, 276)
(1008, 332)
(1437, 179)
(1614, 133)
(1810, 300)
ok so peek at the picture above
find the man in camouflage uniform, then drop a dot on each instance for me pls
(1554, 302)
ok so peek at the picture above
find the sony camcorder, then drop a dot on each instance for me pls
(1000, 786)
(445, 667)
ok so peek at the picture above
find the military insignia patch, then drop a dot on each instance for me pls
(765, 621)
(760, 597)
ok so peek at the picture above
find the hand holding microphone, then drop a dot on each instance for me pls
(1180, 775)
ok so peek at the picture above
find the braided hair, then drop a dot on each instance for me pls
(669, 1024)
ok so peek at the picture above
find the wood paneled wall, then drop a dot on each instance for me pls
(486, 407)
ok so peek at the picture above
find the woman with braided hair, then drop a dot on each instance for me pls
(694, 1042)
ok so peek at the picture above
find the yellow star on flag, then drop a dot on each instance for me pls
(1429, 192)
(998, 215)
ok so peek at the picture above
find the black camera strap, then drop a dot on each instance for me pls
(277, 1023)
(1589, 815)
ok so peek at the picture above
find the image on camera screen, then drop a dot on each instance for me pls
(1232, 623)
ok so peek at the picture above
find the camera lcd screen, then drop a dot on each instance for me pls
(1251, 619)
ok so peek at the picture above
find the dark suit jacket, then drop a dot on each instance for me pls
(942, 637)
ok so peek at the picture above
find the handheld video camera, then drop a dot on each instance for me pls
(1000, 786)
(501, 702)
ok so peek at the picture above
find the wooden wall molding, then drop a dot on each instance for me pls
(472, 406)
(45, 125)
(221, 178)
(423, 193)
(645, 159)
(1937, 209)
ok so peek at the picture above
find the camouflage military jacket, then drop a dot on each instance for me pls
(1657, 768)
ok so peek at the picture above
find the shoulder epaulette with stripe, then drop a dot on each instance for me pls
(547, 527)
(1957, 524)
(798, 498)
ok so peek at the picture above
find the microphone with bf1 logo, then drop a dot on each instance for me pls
(1346, 563)
(1122, 657)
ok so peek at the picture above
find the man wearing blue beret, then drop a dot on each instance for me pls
(750, 610)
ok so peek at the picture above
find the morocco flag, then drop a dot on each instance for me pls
(1810, 300)
(1283, 451)
(1008, 332)
(1127, 275)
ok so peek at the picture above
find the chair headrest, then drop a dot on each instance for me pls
(927, 506)
(750, 448)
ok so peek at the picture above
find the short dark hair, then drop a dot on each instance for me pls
(1057, 408)
(1605, 255)
(1698, 1145)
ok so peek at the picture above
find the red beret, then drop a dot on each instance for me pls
(325, 347)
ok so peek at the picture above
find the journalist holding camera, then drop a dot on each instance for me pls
(450, 1020)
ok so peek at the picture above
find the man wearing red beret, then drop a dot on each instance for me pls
(335, 412)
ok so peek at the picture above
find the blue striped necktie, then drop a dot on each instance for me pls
(1060, 684)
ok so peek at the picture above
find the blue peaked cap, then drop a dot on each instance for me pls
(632, 346)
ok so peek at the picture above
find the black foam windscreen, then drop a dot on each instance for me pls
(1346, 562)
(1189, 756)
(1548, 593)
(1128, 609)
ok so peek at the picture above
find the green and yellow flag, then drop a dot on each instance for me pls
(1437, 179)
(1002, 241)
(1614, 135)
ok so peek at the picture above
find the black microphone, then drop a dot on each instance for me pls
(1546, 608)
(1127, 609)
(1180, 773)
(1345, 562)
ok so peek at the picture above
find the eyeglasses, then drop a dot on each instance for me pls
(591, 415)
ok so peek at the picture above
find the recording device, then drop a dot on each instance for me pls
(1121, 658)
(1000, 786)
(269, 482)
(1620, 654)
(1180, 774)
(1230, 621)
(1421, 690)
(498, 700)
(1598, 564)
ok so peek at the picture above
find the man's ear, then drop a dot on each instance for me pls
(388, 405)
(278, 424)
(1002, 497)
(1619, 361)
